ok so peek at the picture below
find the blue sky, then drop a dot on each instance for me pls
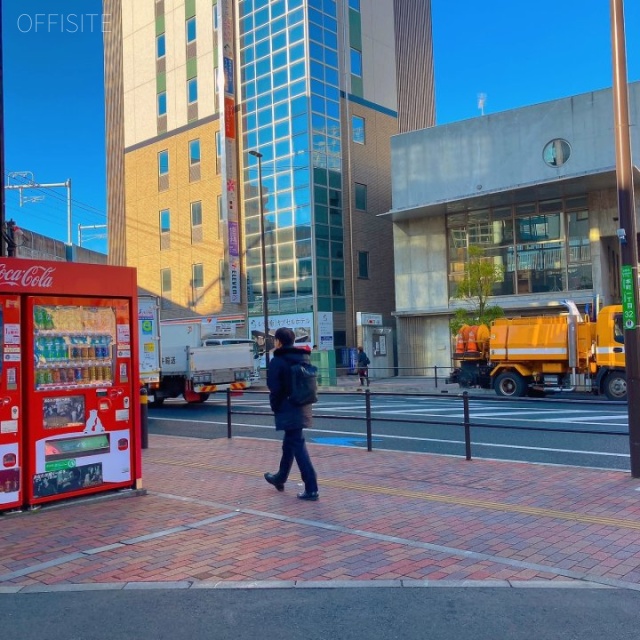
(515, 52)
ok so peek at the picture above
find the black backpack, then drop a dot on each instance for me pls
(304, 384)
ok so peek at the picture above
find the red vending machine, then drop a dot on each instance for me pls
(11, 414)
(78, 422)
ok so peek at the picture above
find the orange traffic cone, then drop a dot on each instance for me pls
(472, 345)
(459, 343)
(461, 339)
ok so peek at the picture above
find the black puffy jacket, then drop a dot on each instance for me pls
(287, 416)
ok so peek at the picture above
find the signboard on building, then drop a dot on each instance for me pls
(227, 133)
(300, 323)
(368, 319)
(325, 330)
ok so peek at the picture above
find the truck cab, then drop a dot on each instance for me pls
(610, 353)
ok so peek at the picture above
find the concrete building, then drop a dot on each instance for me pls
(200, 95)
(35, 246)
(534, 187)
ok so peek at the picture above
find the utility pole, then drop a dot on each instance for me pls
(12, 229)
(54, 185)
(3, 250)
(97, 236)
(627, 232)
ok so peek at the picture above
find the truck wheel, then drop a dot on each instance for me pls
(196, 398)
(156, 402)
(615, 386)
(510, 384)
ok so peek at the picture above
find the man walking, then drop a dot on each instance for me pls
(363, 366)
(290, 418)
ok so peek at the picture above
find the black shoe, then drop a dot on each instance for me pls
(272, 478)
(309, 495)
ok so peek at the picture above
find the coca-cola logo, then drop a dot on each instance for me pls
(35, 276)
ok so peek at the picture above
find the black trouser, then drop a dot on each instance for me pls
(294, 447)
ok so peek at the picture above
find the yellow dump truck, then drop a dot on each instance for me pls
(545, 354)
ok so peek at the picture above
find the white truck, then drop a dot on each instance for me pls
(186, 361)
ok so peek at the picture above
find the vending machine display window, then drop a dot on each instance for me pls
(76, 447)
(63, 411)
(9, 480)
(73, 346)
(69, 480)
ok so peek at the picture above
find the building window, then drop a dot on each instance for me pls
(194, 152)
(356, 63)
(191, 29)
(197, 275)
(165, 282)
(216, 92)
(361, 196)
(218, 150)
(196, 214)
(556, 152)
(538, 247)
(363, 264)
(163, 163)
(354, 4)
(165, 221)
(357, 129)
(162, 103)
(161, 46)
(220, 210)
(192, 90)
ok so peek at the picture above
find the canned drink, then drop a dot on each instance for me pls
(85, 352)
(40, 377)
(75, 352)
(63, 376)
(91, 351)
(48, 377)
(92, 373)
(77, 373)
(55, 376)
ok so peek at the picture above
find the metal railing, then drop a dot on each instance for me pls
(466, 424)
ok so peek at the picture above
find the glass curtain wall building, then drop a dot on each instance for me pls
(289, 69)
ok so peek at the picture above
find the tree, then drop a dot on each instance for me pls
(476, 288)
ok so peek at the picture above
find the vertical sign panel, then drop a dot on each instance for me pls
(226, 87)
(628, 299)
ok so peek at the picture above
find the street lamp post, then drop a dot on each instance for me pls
(628, 229)
(263, 253)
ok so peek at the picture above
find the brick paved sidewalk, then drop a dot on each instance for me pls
(210, 519)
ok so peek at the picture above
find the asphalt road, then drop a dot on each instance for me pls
(546, 431)
(478, 613)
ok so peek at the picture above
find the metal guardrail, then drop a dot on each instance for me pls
(435, 373)
(466, 423)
